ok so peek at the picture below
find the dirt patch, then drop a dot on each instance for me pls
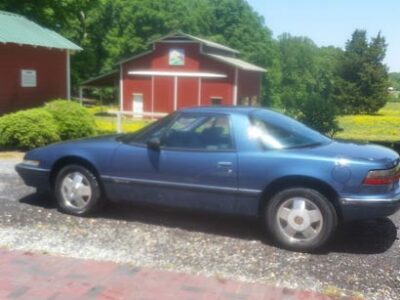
(12, 155)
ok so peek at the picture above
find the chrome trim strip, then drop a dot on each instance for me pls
(180, 184)
(250, 191)
(32, 168)
(367, 201)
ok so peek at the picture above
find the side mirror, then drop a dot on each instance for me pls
(154, 144)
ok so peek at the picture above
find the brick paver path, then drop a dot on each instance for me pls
(36, 276)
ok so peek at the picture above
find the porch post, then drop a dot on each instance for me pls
(68, 75)
(175, 92)
(119, 121)
(152, 97)
(235, 87)
(81, 95)
(121, 99)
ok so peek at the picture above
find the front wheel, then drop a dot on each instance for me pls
(300, 219)
(77, 190)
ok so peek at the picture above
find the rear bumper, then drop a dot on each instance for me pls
(366, 207)
(34, 176)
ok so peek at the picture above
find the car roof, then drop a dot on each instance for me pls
(223, 109)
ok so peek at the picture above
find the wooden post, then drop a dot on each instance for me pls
(68, 75)
(119, 122)
(81, 95)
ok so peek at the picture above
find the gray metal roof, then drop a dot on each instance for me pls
(236, 62)
(210, 43)
(102, 80)
(19, 30)
(197, 39)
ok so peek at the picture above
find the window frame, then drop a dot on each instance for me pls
(208, 115)
(175, 116)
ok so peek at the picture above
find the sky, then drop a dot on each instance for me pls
(331, 22)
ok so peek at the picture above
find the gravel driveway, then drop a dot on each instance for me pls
(364, 258)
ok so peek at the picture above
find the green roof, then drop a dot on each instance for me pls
(19, 30)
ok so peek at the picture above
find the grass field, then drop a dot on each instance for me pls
(383, 126)
(107, 123)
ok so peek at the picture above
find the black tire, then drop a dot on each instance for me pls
(276, 225)
(93, 202)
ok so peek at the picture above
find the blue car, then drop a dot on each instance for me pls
(235, 160)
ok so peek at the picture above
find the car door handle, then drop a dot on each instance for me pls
(224, 165)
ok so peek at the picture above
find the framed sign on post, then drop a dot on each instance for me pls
(28, 78)
(176, 57)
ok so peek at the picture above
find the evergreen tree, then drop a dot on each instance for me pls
(363, 83)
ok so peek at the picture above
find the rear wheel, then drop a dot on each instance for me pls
(77, 190)
(300, 219)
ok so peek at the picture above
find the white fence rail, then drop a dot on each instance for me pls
(120, 114)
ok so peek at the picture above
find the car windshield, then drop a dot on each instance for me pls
(276, 131)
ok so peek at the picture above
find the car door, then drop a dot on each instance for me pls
(194, 167)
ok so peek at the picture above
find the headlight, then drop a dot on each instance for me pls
(34, 163)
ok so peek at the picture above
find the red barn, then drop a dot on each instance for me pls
(34, 63)
(181, 70)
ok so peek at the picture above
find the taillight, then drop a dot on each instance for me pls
(381, 177)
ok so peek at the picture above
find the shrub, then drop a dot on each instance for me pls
(28, 129)
(73, 120)
(320, 114)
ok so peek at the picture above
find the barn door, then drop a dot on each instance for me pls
(137, 104)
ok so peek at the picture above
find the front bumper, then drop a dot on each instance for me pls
(34, 176)
(366, 207)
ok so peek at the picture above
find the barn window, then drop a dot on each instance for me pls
(28, 78)
(216, 101)
(176, 57)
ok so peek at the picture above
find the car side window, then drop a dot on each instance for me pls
(202, 132)
(154, 130)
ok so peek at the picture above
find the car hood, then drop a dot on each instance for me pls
(96, 149)
(97, 142)
(357, 152)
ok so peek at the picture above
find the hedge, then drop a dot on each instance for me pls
(73, 120)
(57, 120)
(28, 129)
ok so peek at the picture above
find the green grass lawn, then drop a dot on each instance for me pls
(107, 123)
(384, 126)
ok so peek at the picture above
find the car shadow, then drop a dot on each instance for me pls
(364, 237)
(39, 200)
(361, 237)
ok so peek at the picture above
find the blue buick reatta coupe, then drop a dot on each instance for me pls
(235, 160)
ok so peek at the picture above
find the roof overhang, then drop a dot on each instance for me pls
(196, 39)
(176, 74)
(109, 79)
(236, 62)
(16, 29)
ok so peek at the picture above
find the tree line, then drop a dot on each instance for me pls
(309, 82)
(394, 79)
